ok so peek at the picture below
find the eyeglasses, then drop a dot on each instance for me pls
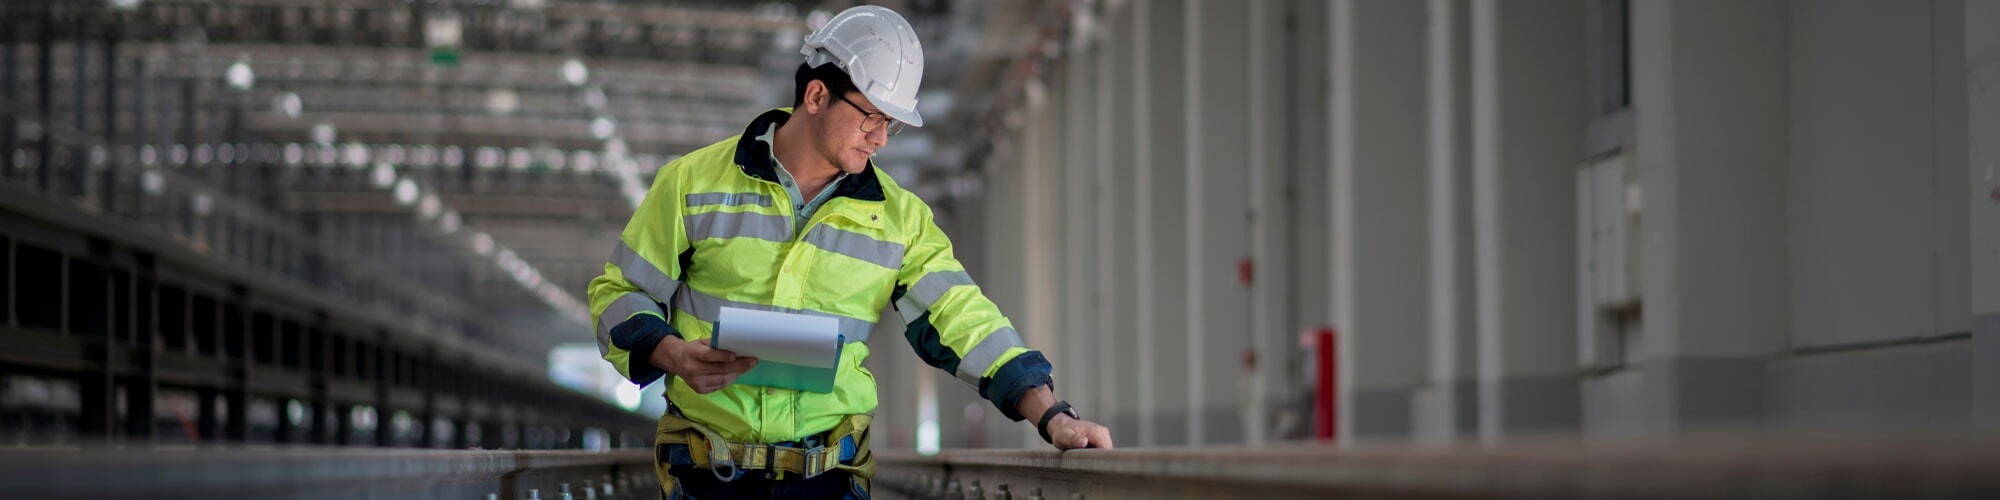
(871, 122)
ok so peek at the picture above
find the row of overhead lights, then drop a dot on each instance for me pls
(425, 203)
(428, 207)
(603, 126)
(617, 158)
(358, 155)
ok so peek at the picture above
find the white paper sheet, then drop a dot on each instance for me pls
(796, 339)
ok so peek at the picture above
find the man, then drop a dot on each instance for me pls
(792, 216)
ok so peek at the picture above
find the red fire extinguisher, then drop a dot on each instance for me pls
(1322, 343)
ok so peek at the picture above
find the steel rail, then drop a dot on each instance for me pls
(1801, 466)
(315, 472)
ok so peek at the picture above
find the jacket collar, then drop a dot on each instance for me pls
(753, 157)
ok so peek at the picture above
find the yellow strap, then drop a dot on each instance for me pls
(712, 452)
(856, 427)
(801, 461)
(718, 455)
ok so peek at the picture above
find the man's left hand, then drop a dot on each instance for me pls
(1069, 433)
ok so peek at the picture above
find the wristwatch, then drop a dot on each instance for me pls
(1061, 407)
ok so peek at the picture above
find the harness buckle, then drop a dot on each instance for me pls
(814, 462)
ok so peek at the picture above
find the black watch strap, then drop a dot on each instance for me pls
(1060, 407)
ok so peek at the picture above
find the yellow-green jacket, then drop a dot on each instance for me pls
(716, 230)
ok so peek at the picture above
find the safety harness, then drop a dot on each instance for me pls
(844, 448)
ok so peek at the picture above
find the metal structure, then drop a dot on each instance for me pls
(1712, 466)
(291, 222)
(489, 105)
(1716, 466)
(330, 473)
(165, 344)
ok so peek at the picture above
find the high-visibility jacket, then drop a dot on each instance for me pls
(716, 230)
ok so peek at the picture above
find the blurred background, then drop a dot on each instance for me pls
(1442, 222)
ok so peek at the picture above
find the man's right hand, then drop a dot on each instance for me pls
(704, 369)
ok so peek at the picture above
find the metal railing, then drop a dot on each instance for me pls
(328, 473)
(1718, 466)
(148, 334)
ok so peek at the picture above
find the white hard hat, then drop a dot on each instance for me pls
(879, 52)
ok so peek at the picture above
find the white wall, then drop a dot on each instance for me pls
(1982, 80)
(1877, 231)
(1216, 108)
(1445, 409)
(1164, 209)
(1810, 252)
(1378, 185)
(1982, 60)
(1526, 124)
(1119, 229)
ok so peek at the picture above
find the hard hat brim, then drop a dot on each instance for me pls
(910, 118)
(907, 116)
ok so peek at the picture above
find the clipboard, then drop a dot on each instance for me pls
(793, 351)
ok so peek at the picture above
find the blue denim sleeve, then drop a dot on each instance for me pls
(639, 335)
(1005, 388)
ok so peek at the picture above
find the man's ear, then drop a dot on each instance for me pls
(815, 98)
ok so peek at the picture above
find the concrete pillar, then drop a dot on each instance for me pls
(1093, 172)
(895, 389)
(1159, 128)
(1875, 218)
(1007, 270)
(1951, 113)
(1864, 258)
(1982, 64)
(1527, 122)
(1378, 193)
(1044, 241)
(1103, 212)
(1076, 364)
(1710, 150)
(890, 360)
(1446, 408)
(1308, 184)
(1116, 159)
(1217, 196)
(996, 225)
(1271, 207)
(942, 398)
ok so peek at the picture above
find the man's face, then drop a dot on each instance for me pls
(842, 139)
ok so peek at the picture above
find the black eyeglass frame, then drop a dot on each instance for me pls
(895, 127)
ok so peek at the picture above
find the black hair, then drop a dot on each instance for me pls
(836, 81)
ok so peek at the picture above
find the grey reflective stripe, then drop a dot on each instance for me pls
(619, 311)
(857, 245)
(974, 364)
(642, 272)
(910, 309)
(738, 225)
(704, 199)
(707, 307)
(932, 286)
